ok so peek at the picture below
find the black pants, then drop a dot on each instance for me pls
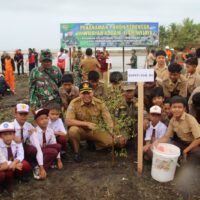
(18, 68)
(31, 66)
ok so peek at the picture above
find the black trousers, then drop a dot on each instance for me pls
(21, 64)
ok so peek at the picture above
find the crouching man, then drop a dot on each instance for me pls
(80, 119)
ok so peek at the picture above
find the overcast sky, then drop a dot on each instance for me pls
(36, 23)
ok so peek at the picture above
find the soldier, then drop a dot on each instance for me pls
(129, 108)
(131, 101)
(81, 117)
(44, 82)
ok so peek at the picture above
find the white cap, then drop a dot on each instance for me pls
(167, 47)
(155, 110)
(6, 127)
(22, 108)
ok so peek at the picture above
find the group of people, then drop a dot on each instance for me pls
(64, 112)
(9, 64)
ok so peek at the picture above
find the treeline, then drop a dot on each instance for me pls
(184, 35)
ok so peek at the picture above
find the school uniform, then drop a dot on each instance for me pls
(15, 152)
(23, 132)
(4, 175)
(50, 148)
(32, 148)
(162, 72)
(171, 89)
(193, 81)
(153, 133)
(58, 126)
(184, 131)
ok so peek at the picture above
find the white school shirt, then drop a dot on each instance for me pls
(160, 130)
(57, 126)
(17, 151)
(50, 137)
(26, 130)
(31, 138)
(2, 157)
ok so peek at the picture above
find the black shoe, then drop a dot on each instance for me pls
(24, 179)
(77, 157)
(64, 156)
(91, 146)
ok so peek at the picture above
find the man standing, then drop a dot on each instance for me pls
(44, 82)
(133, 60)
(19, 59)
(80, 119)
(89, 64)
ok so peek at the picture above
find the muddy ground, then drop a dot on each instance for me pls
(95, 178)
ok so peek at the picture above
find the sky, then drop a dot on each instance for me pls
(36, 23)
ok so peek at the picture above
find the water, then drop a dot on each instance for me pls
(117, 63)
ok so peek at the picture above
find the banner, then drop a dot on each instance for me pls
(109, 34)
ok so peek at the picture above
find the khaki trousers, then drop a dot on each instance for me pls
(101, 139)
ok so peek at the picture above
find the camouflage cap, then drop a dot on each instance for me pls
(128, 86)
(46, 55)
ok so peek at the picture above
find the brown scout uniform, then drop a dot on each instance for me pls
(89, 64)
(162, 73)
(171, 89)
(79, 111)
(192, 110)
(99, 92)
(187, 130)
(67, 97)
(193, 81)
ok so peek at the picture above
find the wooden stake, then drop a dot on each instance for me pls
(140, 126)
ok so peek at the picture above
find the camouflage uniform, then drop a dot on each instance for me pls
(44, 87)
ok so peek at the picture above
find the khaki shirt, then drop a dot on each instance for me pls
(162, 73)
(192, 110)
(97, 109)
(179, 88)
(99, 92)
(89, 64)
(198, 66)
(67, 97)
(193, 81)
(187, 128)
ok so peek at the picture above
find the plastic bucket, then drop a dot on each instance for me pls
(164, 162)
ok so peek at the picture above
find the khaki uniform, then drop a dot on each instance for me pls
(162, 73)
(99, 92)
(187, 128)
(179, 88)
(192, 110)
(67, 97)
(193, 81)
(89, 64)
(79, 111)
(198, 66)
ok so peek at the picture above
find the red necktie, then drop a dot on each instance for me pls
(44, 139)
(153, 137)
(10, 154)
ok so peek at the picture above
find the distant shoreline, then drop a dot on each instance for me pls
(139, 52)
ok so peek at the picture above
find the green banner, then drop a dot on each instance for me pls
(109, 34)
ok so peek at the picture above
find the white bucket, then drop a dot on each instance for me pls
(164, 162)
